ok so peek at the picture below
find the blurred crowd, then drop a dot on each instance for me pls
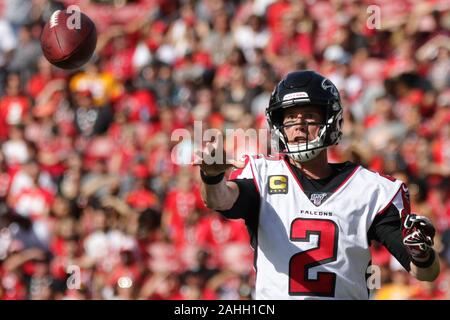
(92, 203)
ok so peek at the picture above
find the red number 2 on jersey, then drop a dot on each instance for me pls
(300, 263)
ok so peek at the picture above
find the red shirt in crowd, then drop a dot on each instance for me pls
(300, 44)
(214, 231)
(34, 202)
(12, 286)
(121, 65)
(13, 109)
(179, 205)
(142, 199)
(139, 106)
(275, 13)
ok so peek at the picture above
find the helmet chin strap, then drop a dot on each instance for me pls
(302, 156)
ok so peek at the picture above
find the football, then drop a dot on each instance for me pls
(68, 39)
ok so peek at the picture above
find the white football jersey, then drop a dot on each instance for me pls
(314, 251)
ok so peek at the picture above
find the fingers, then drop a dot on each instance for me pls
(425, 226)
(230, 163)
(218, 141)
(213, 154)
(427, 239)
(418, 239)
(211, 149)
(198, 158)
(205, 155)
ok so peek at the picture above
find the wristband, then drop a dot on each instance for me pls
(211, 179)
(427, 263)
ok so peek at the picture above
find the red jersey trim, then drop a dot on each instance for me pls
(335, 190)
(235, 173)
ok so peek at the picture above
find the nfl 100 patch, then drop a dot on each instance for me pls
(318, 198)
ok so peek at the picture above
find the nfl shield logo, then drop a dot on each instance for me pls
(317, 198)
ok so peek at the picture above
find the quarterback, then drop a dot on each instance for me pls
(311, 222)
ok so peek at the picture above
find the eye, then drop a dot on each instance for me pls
(289, 117)
(312, 117)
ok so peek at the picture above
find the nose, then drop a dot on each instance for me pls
(301, 127)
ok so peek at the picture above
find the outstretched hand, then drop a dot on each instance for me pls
(213, 159)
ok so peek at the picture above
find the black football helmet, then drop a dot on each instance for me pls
(305, 88)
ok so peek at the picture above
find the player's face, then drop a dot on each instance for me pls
(301, 123)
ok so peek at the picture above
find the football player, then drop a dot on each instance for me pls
(311, 222)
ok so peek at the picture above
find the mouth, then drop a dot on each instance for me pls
(300, 140)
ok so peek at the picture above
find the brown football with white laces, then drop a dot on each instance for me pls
(68, 39)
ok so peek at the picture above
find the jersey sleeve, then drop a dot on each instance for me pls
(386, 228)
(248, 202)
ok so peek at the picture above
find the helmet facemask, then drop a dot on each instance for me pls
(307, 150)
